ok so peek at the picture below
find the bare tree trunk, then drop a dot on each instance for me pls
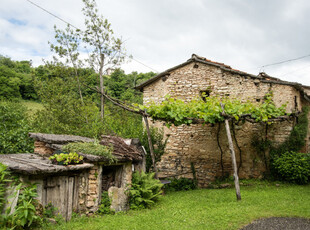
(233, 157)
(79, 84)
(101, 87)
(150, 144)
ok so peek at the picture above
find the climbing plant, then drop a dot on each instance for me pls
(297, 137)
(177, 112)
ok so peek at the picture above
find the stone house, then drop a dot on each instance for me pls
(203, 149)
(78, 188)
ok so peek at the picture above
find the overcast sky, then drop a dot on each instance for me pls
(244, 34)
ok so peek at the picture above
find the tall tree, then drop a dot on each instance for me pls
(67, 46)
(106, 51)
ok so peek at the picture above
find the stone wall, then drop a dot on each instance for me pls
(198, 145)
(90, 184)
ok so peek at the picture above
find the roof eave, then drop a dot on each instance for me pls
(155, 78)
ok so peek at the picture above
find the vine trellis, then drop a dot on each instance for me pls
(210, 110)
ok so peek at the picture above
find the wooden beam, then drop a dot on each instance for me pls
(150, 145)
(233, 157)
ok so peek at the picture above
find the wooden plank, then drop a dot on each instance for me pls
(70, 195)
(76, 193)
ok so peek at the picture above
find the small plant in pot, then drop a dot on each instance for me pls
(71, 158)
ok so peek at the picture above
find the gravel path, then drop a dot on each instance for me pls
(279, 223)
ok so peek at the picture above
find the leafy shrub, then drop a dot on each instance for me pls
(181, 184)
(49, 210)
(104, 207)
(144, 190)
(25, 215)
(293, 167)
(67, 159)
(64, 112)
(4, 180)
(297, 137)
(93, 148)
(14, 129)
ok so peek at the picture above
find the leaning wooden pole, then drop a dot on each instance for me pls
(233, 156)
(150, 144)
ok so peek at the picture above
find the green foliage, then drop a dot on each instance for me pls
(63, 112)
(104, 207)
(121, 86)
(93, 148)
(9, 84)
(14, 129)
(293, 167)
(296, 140)
(144, 190)
(67, 158)
(177, 112)
(122, 123)
(16, 79)
(49, 211)
(159, 143)
(99, 38)
(4, 180)
(180, 184)
(24, 215)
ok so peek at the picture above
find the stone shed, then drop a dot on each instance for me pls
(78, 187)
(204, 148)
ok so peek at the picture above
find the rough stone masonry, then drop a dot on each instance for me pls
(197, 145)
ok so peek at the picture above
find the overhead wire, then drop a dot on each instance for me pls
(289, 60)
(59, 18)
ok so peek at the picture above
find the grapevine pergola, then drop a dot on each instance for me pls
(207, 110)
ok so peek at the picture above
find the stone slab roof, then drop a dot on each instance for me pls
(123, 149)
(59, 138)
(33, 164)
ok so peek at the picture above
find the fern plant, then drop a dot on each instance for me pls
(144, 191)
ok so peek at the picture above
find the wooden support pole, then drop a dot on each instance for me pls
(233, 157)
(150, 145)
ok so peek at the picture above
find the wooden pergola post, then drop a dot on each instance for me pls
(233, 156)
(150, 145)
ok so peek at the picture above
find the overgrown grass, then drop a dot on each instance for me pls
(32, 106)
(207, 209)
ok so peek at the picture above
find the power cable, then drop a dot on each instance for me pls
(81, 30)
(281, 62)
(52, 14)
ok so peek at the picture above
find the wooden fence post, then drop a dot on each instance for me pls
(233, 156)
(150, 145)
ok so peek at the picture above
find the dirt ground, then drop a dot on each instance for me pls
(279, 223)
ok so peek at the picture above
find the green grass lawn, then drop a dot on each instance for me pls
(207, 209)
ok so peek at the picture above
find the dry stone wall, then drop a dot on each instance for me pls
(198, 145)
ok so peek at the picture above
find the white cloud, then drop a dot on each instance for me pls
(164, 33)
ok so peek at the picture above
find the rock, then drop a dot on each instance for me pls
(119, 199)
(51, 220)
(225, 185)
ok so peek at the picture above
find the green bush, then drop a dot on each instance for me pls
(144, 190)
(24, 216)
(293, 167)
(181, 184)
(104, 207)
(297, 137)
(14, 129)
(4, 180)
